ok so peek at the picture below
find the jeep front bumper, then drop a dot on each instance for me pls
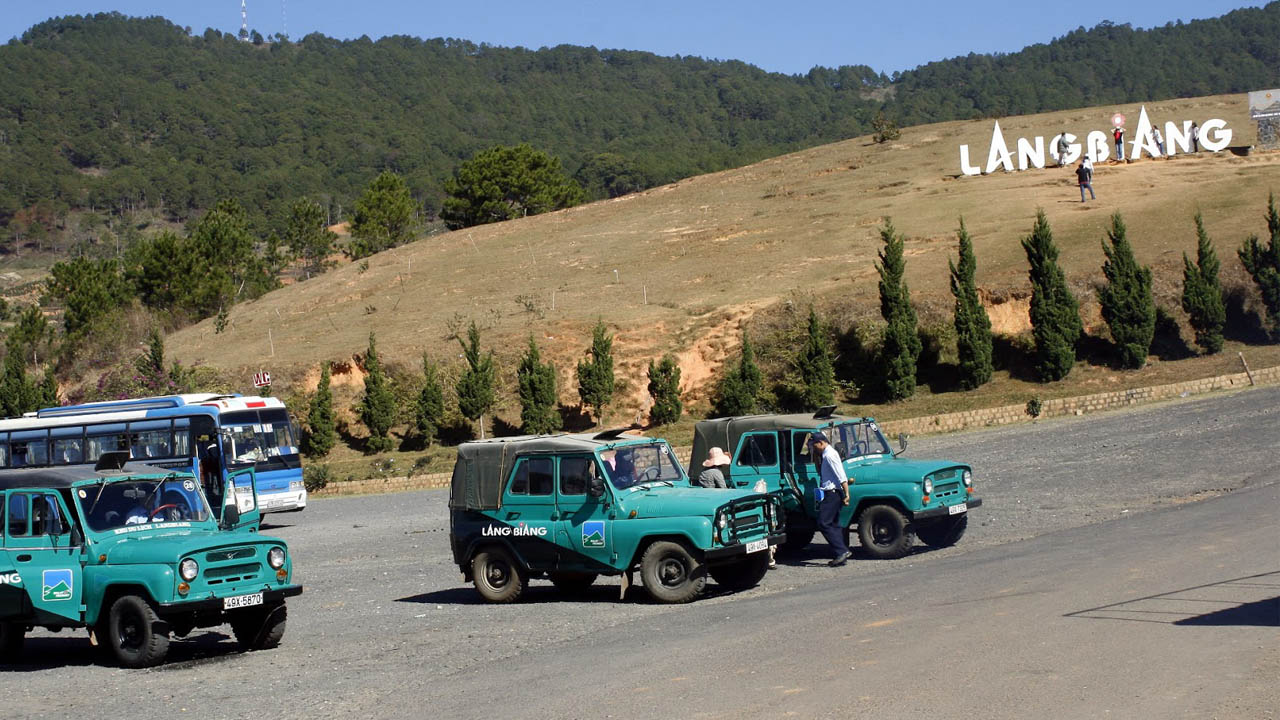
(737, 550)
(944, 511)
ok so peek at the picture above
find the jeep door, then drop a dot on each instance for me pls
(13, 598)
(527, 512)
(803, 470)
(756, 458)
(38, 543)
(583, 527)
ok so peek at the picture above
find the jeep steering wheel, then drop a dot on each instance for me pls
(649, 475)
(155, 512)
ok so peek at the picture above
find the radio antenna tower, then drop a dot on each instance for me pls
(284, 19)
(244, 23)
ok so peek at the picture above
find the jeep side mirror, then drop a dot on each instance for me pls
(902, 444)
(230, 515)
(595, 487)
(77, 537)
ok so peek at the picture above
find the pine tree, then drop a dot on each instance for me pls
(973, 327)
(476, 386)
(378, 407)
(1126, 300)
(384, 216)
(49, 390)
(18, 394)
(1055, 316)
(664, 388)
(900, 346)
(429, 409)
(321, 433)
(815, 365)
(595, 375)
(538, 394)
(1202, 293)
(739, 388)
(1263, 264)
(151, 364)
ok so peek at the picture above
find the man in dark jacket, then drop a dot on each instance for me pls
(1085, 177)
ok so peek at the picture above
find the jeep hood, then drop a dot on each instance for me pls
(891, 469)
(169, 545)
(662, 501)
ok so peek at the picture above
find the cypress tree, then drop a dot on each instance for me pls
(378, 407)
(538, 395)
(17, 393)
(151, 363)
(429, 409)
(49, 390)
(738, 389)
(900, 346)
(1055, 316)
(595, 375)
(1263, 264)
(814, 362)
(1126, 300)
(664, 388)
(973, 327)
(1202, 293)
(476, 386)
(321, 433)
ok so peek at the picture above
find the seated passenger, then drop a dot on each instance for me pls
(716, 464)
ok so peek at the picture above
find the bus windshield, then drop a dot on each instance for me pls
(114, 505)
(259, 438)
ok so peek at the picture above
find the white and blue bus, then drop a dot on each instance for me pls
(205, 434)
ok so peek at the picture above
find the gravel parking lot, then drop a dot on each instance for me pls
(386, 614)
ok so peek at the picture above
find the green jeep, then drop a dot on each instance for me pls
(892, 501)
(573, 507)
(135, 555)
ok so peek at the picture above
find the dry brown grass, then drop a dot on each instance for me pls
(712, 251)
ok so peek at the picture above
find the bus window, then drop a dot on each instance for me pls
(181, 437)
(68, 451)
(4, 454)
(104, 439)
(150, 439)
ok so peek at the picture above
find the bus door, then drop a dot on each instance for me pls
(45, 557)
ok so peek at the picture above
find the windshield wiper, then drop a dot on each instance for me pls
(102, 485)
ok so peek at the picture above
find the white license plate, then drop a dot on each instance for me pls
(957, 509)
(240, 601)
(757, 546)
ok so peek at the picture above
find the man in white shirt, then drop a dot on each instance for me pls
(834, 486)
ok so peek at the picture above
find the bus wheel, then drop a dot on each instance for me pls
(137, 636)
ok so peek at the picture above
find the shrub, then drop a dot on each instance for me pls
(316, 477)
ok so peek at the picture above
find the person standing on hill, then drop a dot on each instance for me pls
(1084, 176)
(1195, 136)
(1119, 136)
(1063, 147)
(1155, 132)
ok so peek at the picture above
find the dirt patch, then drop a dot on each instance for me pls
(1010, 313)
(343, 373)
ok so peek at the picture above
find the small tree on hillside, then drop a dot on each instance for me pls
(1263, 264)
(739, 387)
(885, 129)
(1055, 316)
(322, 432)
(428, 411)
(900, 348)
(384, 217)
(816, 367)
(18, 394)
(476, 386)
(538, 394)
(595, 373)
(49, 390)
(150, 364)
(308, 236)
(504, 183)
(664, 388)
(1202, 293)
(973, 327)
(378, 407)
(1126, 300)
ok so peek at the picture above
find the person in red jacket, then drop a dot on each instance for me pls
(1119, 135)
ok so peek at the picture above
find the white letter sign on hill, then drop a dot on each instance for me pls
(1215, 136)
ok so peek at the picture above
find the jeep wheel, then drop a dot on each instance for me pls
(136, 635)
(12, 636)
(497, 577)
(572, 583)
(945, 532)
(259, 628)
(885, 533)
(671, 574)
(742, 574)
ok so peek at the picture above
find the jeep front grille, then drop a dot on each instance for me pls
(945, 491)
(229, 574)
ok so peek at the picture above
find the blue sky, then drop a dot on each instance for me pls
(778, 36)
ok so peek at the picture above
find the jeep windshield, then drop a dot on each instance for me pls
(857, 439)
(114, 505)
(641, 464)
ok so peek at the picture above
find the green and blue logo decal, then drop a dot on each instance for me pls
(57, 585)
(593, 534)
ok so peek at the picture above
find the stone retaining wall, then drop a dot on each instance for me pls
(948, 422)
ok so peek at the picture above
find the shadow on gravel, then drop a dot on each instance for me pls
(547, 593)
(74, 650)
(274, 525)
(1245, 601)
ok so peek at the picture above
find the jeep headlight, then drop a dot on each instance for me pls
(968, 479)
(275, 557)
(928, 486)
(722, 521)
(188, 569)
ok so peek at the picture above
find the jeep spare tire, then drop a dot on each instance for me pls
(671, 573)
(497, 577)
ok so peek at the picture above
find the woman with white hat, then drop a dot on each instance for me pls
(713, 476)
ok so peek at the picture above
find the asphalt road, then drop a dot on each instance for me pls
(1125, 564)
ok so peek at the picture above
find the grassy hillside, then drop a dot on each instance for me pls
(713, 252)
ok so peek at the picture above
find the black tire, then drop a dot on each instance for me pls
(572, 583)
(743, 574)
(497, 576)
(945, 532)
(12, 637)
(671, 574)
(137, 637)
(260, 629)
(885, 533)
(798, 538)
